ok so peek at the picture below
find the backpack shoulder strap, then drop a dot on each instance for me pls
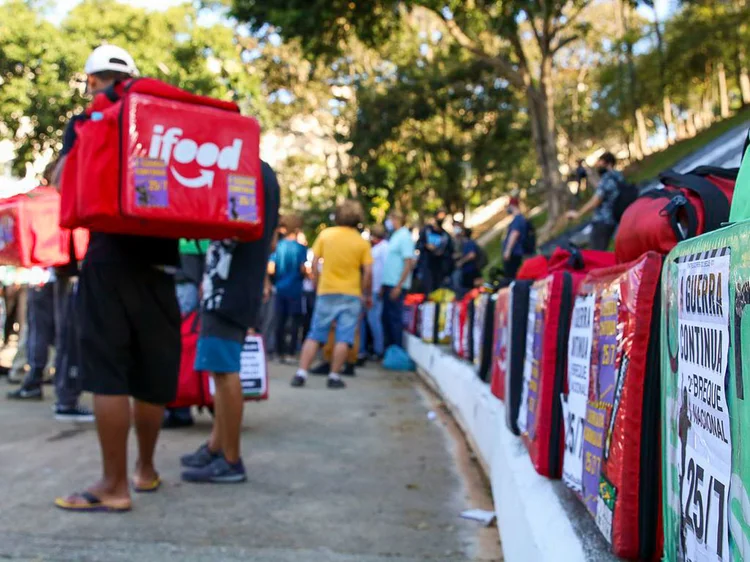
(715, 203)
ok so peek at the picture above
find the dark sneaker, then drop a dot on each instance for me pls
(298, 381)
(172, 421)
(361, 361)
(348, 370)
(335, 384)
(200, 458)
(218, 472)
(25, 393)
(75, 414)
(321, 369)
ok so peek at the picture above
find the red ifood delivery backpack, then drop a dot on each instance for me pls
(154, 160)
(30, 234)
(686, 206)
(550, 305)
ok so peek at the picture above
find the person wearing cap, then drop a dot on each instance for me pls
(129, 331)
(513, 246)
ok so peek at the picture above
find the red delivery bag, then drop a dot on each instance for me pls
(30, 234)
(196, 388)
(500, 343)
(544, 375)
(411, 312)
(688, 205)
(153, 160)
(533, 268)
(463, 336)
(613, 423)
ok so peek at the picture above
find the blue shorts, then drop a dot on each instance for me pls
(344, 310)
(219, 345)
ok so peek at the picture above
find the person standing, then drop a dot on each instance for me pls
(374, 317)
(602, 203)
(435, 254)
(469, 263)
(233, 287)
(515, 239)
(343, 284)
(289, 259)
(129, 332)
(397, 278)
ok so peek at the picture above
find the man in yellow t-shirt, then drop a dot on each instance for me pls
(342, 273)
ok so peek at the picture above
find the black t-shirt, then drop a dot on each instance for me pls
(235, 271)
(123, 248)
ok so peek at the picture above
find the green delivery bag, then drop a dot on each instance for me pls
(705, 400)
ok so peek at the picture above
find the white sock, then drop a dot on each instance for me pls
(302, 373)
(334, 377)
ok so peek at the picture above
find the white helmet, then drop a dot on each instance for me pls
(110, 57)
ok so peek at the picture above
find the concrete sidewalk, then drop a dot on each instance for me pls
(354, 475)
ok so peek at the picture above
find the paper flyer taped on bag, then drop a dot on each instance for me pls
(703, 414)
(523, 410)
(574, 404)
(253, 368)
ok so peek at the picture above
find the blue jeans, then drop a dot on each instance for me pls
(393, 319)
(374, 321)
(288, 311)
(344, 310)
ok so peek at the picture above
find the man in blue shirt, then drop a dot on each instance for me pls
(468, 263)
(603, 224)
(513, 247)
(397, 274)
(289, 259)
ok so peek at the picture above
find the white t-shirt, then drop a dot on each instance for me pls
(379, 253)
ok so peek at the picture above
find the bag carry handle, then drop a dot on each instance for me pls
(724, 173)
(715, 203)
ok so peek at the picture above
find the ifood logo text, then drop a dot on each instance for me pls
(168, 145)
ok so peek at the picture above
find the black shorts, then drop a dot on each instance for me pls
(130, 332)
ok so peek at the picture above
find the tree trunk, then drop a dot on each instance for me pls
(668, 119)
(642, 132)
(541, 114)
(744, 77)
(723, 92)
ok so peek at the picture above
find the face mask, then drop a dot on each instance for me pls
(389, 225)
(458, 230)
(602, 170)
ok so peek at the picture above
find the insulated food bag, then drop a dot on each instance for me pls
(154, 160)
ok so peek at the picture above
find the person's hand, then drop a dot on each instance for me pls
(395, 293)
(572, 215)
(367, 301)
(430, 247)
(506, 256)
(266, 294)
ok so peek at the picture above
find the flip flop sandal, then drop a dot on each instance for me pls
(148, 488)
(93, 504)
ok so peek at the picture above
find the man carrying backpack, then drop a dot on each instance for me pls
(129, 332)
(603, 203)
(471, 262)
(518, 239)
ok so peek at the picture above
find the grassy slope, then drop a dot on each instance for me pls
(647, 169)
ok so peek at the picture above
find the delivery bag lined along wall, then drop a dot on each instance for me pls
(706, 421)
(611, 411)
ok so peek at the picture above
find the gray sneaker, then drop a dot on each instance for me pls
(218, 472)
(200, 458)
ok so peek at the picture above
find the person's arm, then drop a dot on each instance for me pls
(397, 290)
(315, 271)
(57, 172)
(513, 238)
(592, 204)
(367, 285)
(466, 259)
(267, 288)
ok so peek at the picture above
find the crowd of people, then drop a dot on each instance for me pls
(115, 318)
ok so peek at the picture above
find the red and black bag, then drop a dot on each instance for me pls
(464, 337)
(196, 388)
(688, 205)
(30, 234)
(500, 343)
(411, 316)
(620, 438)
(151, 159)
(545, 366)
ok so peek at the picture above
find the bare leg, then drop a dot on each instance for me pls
(214, 442)
(148, 420)
(229, 404)
(340, 352)
(309, 350)
(112, 426)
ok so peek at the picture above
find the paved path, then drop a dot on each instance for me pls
(359, 475)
